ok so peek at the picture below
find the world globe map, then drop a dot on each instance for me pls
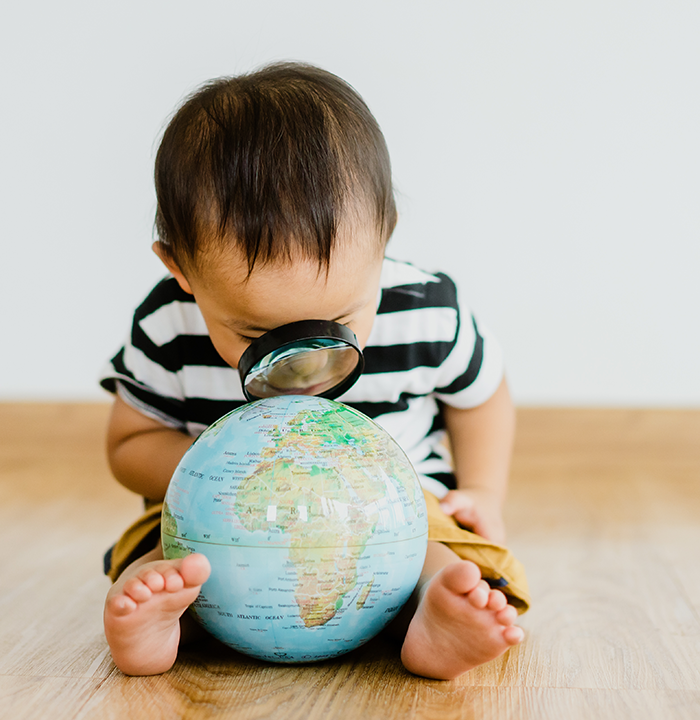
(314, 523)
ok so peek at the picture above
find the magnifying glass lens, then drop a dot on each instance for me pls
(304, 368)
(308, 357)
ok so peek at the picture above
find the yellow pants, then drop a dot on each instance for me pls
(498, 566)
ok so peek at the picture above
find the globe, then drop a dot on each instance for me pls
(314, 523)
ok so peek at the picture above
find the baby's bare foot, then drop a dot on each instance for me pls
(460, 623)
(143, 610)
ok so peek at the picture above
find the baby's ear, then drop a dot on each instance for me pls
(161, 251)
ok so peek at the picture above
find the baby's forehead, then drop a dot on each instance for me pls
(355, 244)
(283, 291)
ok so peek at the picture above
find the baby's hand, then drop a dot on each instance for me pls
(478, 510)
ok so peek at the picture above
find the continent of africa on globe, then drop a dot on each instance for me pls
(313, 520)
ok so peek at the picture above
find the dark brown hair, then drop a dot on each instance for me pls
(271, 161)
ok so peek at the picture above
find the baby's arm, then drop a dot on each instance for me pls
(143, 453)
(481, 440)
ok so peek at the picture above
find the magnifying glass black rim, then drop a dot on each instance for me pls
(294, 333)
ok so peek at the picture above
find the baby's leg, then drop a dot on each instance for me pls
(458, 621)
(143, 610)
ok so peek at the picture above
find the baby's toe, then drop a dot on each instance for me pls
(173, 580)
(461, 577)
(137, 590)
(507, 616)
(479, 596)
(497, 600)
(513, 635)
(152, 579)
(195, 570)
(120, 605)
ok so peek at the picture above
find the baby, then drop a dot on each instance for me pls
(275, 205)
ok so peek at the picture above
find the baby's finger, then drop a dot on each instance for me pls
(455, 502)
(470, 519)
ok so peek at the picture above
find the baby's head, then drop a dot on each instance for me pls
(282, 163)
(275, 203)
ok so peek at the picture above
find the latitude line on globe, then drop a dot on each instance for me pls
(274, 547)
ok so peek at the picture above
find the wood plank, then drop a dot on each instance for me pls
(609, 491)
(60, 510)
(27, 697)
(148, 698)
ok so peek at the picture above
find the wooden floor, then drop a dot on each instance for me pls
(604, 512)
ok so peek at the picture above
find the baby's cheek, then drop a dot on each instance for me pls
(230, 351)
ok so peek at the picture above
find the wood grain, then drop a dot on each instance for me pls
(604, 511)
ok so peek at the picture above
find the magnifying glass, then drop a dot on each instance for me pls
(309, 357)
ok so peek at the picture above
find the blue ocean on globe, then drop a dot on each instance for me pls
(314, 523)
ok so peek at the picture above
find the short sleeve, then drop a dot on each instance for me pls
(145, 372)
(425, 342)
(470, 386)
(168, 368)
(473, 370)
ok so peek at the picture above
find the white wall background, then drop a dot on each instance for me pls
(547, 153)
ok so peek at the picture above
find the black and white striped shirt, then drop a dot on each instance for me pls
(424, 348)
